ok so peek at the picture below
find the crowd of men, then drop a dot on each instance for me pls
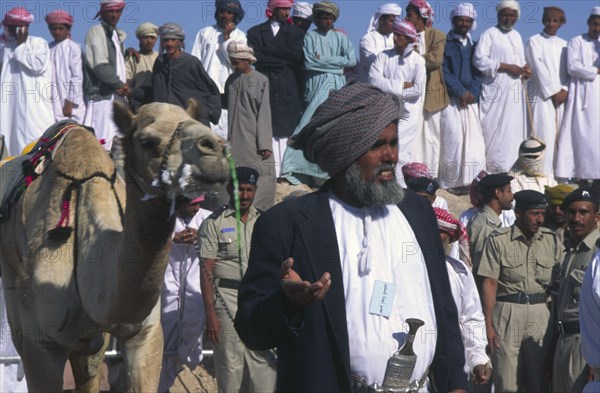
(377, 133)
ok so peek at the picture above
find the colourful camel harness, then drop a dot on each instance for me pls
(33, 163)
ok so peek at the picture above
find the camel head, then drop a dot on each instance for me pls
(168, 153)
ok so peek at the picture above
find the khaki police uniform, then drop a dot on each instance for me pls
(569, 372)
(523, 269)
(219, 241)
(479, 228)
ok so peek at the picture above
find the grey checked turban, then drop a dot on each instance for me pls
(345, 126)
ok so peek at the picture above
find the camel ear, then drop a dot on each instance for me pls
(193, 108)
(123, 118)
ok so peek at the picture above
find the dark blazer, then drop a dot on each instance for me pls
(279, 58)
(312, 343)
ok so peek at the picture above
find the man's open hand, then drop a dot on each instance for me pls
(302, 292)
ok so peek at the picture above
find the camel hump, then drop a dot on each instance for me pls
(80, 156)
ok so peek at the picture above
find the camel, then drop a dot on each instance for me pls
(65, 292)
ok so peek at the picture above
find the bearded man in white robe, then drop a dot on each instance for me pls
(546, 54)
(26, 106)
(579, 140)
(500, 56)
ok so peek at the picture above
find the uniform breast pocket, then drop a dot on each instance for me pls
(543, 271)
(576, 277)
(227, 245)
(512, 271)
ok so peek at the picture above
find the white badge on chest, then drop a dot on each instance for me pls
(382, 299)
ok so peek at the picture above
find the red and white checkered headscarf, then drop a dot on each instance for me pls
(474, 192)
(415, 170)
(456, 232)
(59, 17)
(110, 5)
(425, 10)
(272, 4)
(18, 16)
(405, 28)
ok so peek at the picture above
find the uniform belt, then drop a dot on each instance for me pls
(523, 298)
(571, 327)
(229, 284)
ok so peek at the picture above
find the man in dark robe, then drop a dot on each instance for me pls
(278, 45)
(178, 76)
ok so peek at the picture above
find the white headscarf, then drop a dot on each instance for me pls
(465, 9)
(302, 9)
(512, 4)
(386, 9)
(531, 157)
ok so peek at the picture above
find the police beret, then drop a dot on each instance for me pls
(586, 194)
(495, 180)
(422, 184)
(246, 175)
(530, 199)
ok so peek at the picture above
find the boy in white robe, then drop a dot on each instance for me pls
(401, 71)
(579, 140)
(546, 54)
(67, 74)
(26, 105)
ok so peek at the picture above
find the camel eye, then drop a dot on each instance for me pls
(150, 143)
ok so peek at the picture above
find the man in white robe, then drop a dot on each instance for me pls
(379, 37)
(26, 105)
(461, 136)
(105, 70)
(67, 75)
(401, 71)
(546, 55)
(500, 56)
(465, 295)
(579, 141)
(210, 47)
(182, 307)
(430, 44)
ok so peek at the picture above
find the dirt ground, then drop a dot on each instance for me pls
(200, 380)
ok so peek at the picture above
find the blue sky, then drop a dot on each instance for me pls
(354, 16)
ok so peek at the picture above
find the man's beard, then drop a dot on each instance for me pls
(372, 193)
